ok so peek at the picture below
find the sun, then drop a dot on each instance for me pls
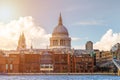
(6, 12)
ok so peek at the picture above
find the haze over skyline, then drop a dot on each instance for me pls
(97, 21)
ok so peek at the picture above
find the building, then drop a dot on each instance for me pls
(60, 37)
(89, 46)
(116, 51)
(103, 57)
(59, 58)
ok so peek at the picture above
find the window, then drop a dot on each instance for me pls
(62, 42)
(6, 66)
(46, 67)
(55, 42)
(11, 66)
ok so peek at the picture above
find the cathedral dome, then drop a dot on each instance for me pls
(60, 28)
(60, 37)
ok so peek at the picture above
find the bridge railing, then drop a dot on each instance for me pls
(117, 63)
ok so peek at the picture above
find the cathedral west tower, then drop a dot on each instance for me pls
(60, 37)
(21, 42)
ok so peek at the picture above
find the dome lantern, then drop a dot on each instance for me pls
(60, 20)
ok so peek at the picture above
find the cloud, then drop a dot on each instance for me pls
(108, 40)
(75, 39)
(93, 22)
(10, 32)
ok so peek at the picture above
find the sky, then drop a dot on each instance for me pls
(86, 20)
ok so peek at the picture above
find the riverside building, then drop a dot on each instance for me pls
(58, 58)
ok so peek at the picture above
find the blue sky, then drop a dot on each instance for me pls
(84, 19)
